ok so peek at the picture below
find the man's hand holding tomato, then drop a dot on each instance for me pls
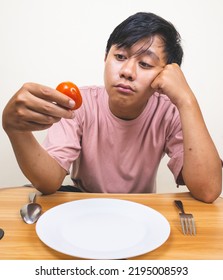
(36, 107)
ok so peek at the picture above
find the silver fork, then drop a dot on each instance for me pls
(186, 219)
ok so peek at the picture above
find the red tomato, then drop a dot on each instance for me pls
(71, 90)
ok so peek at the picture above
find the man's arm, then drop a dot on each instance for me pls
(37, 165)
(36, 107)
(202, 168)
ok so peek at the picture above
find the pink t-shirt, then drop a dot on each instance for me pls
(108, 154)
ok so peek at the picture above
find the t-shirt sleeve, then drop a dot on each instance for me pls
(174, 149)
(63, 142)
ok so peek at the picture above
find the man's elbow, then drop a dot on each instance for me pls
(207, 193)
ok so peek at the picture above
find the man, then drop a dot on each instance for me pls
(116, 140)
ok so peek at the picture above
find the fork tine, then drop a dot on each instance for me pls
(182, 225)
(187, 224)
(190, 225)
(193, 226)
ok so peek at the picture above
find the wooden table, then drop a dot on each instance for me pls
(21, 241)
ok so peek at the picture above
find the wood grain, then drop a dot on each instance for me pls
(21, 241)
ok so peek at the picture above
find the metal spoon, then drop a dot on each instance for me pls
(31, 212)
(1, 233)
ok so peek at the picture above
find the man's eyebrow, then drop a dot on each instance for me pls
(152, 54)
(147, 51)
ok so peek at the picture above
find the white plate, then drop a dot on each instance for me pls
(102, 228)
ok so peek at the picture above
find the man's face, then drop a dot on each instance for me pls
(128, 76)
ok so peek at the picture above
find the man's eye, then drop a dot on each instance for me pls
(145, 65)
(120, 57)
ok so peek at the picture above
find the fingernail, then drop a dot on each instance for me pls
(71, 103)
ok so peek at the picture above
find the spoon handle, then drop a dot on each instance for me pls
(32, 197)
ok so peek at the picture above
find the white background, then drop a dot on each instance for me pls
(49, 41)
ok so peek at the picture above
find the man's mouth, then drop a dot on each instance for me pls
(124, 88)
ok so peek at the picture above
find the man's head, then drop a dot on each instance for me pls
(145, 26)
(138, 50)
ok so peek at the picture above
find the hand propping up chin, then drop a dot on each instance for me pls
(172, 82)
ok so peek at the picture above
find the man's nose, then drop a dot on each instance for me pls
(128, 70)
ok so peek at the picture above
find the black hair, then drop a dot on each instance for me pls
(146, 25)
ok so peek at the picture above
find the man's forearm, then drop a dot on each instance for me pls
(36, 164)
(202, 166)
